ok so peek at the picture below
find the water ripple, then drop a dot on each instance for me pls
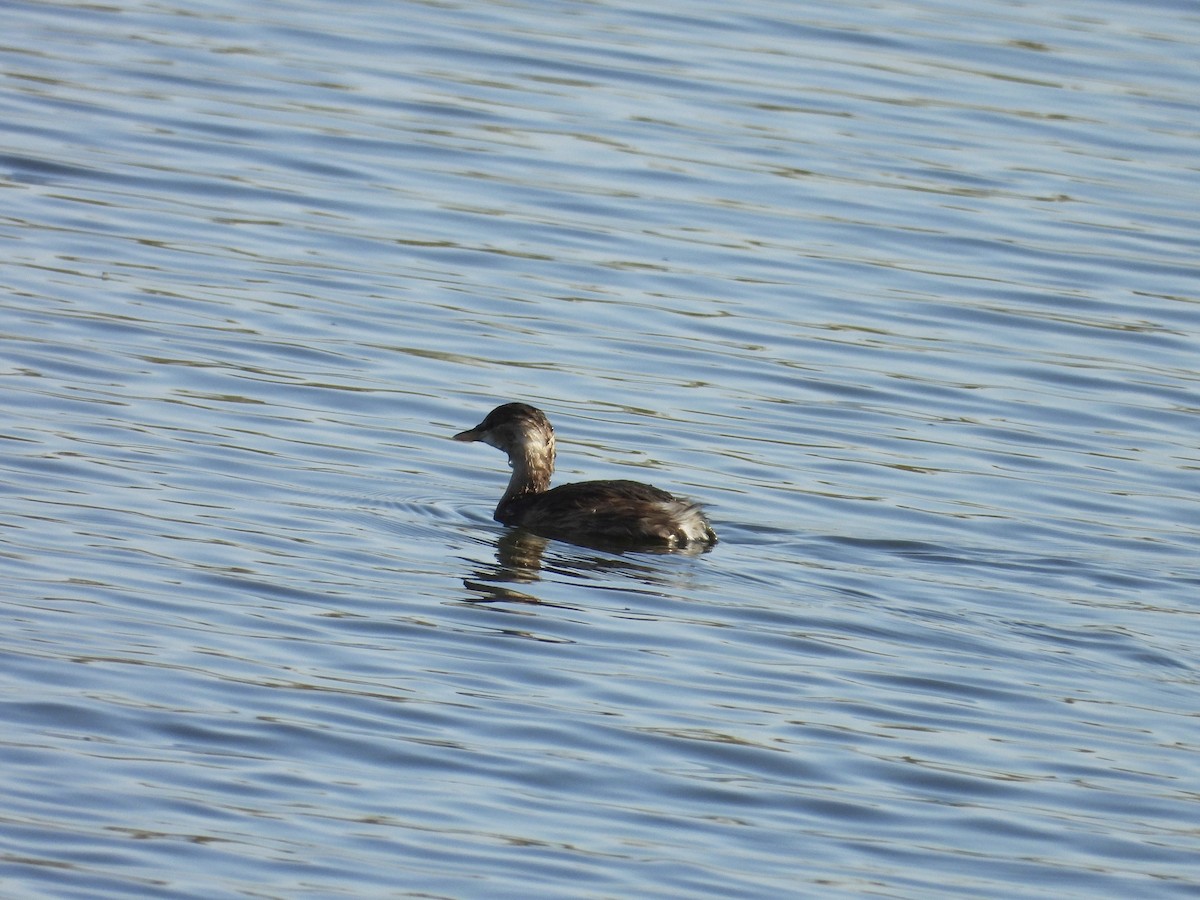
(908, 299)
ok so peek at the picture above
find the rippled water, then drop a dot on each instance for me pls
(907, 293)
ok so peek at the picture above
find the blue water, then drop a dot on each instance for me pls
(907, 294)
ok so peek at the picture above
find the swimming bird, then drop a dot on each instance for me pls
(614, 513)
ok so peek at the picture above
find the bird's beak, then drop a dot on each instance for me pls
(471, 434)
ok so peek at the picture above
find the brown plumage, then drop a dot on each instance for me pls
(595, 513)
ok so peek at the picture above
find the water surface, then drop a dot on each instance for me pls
(906, 293)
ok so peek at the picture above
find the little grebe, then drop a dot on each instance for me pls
(605, 513)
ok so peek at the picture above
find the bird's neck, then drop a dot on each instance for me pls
(532, 463)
